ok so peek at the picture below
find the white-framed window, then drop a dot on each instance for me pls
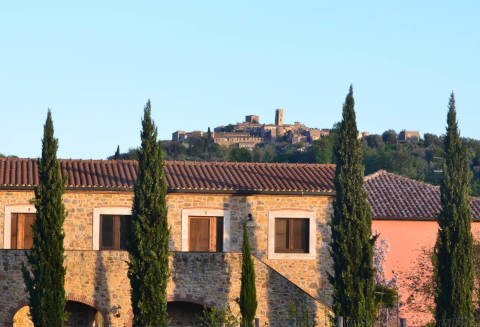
(16, 226)
(111, 226)
(206, 229)
(291, 234)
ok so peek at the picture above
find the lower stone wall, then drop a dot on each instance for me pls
(99, 279)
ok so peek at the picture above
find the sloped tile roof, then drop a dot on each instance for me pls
(180, 175)
(397, 197)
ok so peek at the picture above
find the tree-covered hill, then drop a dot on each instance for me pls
(421, 160)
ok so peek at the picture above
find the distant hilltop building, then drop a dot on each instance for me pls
(409, 136)
(251, 132)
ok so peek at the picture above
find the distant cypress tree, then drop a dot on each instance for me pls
(352, 241)
(148, 243)
(117, 153)
(45, 279)
(248, 291)
(453, 256)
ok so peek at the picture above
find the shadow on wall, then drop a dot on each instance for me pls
(102, 292)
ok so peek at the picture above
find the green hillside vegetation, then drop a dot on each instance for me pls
(421, 161)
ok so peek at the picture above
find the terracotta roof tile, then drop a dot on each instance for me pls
(397, 197)
(180, 175)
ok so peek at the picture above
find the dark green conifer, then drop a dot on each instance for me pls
(45, 277)
(352, 241)
(248, 291)
(148, 244)
(453, 256)
(117, 153)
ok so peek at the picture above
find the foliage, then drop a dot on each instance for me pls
(303, 317)
(453, 253)
(45, 280)
(148, 244)
(240, 155)
(386, 294)
(215, 317)
(352, 242)
(248, 292)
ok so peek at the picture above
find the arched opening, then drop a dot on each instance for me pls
(80, 315)
(83, 315)
(183, 314)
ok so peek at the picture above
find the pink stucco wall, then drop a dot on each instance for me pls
(406, 240)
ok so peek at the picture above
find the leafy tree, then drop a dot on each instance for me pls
(148, 244)
(248, 291)
(240, 154)
(45, 280)
(352, 242)
(374, 141)
(453, 256)
(389, 137)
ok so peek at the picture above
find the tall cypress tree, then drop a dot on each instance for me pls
(352, 241)
(45, 278)
(453, 256)
(148, 243)
(248, 291)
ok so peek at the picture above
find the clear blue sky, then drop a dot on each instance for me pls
(208, 63)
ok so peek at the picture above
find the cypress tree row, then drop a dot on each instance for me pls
(248, 291)
(45, 279)
(352, 241)
(453, 256)
(148, 244)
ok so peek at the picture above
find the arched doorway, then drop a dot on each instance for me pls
(81, 315)
(183, 314)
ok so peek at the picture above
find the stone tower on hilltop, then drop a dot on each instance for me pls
(279, 117)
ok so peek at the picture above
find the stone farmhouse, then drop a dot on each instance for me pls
(286, 208)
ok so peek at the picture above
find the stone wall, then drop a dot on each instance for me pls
(98, 278)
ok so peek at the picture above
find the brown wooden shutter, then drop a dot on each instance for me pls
(29, 219)
(125, 229)
(299, 235)
(106, 231)
(281, 234)
(199, 234)
(14, 231)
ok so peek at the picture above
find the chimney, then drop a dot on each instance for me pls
(279, 117)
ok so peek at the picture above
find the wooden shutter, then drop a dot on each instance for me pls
(28, 219)
(281, 234)
(14, 231)
(206, 234)
(125, 229)
(106, 231)
(199, 234)
(299, 235)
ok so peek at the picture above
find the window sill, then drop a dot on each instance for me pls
(292, 256)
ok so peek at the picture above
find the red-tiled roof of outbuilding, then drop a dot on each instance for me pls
(232, 177)
(393, 196)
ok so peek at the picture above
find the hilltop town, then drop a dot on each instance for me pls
(251, 132)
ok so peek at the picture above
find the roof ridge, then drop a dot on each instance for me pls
(385, 172)
(375, 174)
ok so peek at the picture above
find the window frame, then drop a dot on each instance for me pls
(97, 212)
(7, 223)
(205, 212)
(290, 235)
(116, 233)
(292, 214)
